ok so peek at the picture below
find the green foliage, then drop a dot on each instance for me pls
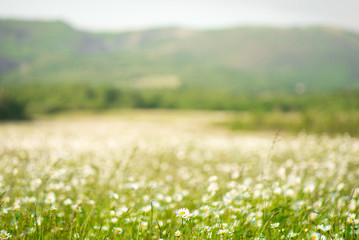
(247, 60)
(11, 108)
(316, 112)
(313, 121)
(311, 73)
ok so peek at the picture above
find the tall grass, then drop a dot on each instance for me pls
(314, 121)
(81, 180)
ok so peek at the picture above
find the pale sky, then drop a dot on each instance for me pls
(117, 15)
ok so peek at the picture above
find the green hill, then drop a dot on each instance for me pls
(52, 66)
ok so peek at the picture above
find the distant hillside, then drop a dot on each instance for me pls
(248, 59)
(240, 61)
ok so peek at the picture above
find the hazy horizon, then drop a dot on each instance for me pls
(109, 15)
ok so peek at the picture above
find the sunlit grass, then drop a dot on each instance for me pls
(108, 178)
(314, 121)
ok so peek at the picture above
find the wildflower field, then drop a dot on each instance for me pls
(122, 178)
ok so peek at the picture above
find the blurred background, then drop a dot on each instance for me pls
(271, 64)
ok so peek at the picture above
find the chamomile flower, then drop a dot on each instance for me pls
(117, 230)
(313, 215)
(50, 198)
(317, 236)
(177, 233)
(277, 191)
(30, 231)
(212, 178)
(274, 225)
(16, 207)
(289, 192)
(222, 225)
(36, 182)
(121, 211)
(205, 229)
(4, 235)
(76, 208)
(146, 208)
(205, 208)
(38, 221)
(222, 231)
(292, 234)
(144, 225)
(104, 228)
(168, 199)
(114, 196)
(236, 210)
(177, 197)
(351, 217)
(67, 201)
(188, 216)
(317, 204)
(182, 212)
(309, 188)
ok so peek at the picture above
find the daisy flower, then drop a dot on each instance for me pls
(67, 201)
(317, 236)
(121, 211)
(177, 197)
(76, 208)
(144, 225)
(289, 193)
(177, 233)
(309, 188)
(212, 178)
(104, 228)
(182, 212)
(146, 208)
(274, 225)
(222, 231)
(114, 195)
(205, 208)
(206, 229)
(277, 191)
(117, 230)
(188, 216)
(50, 198)
(4, 235)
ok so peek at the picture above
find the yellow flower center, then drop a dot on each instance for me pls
(182, 212)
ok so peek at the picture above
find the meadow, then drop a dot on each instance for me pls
(173, 175)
